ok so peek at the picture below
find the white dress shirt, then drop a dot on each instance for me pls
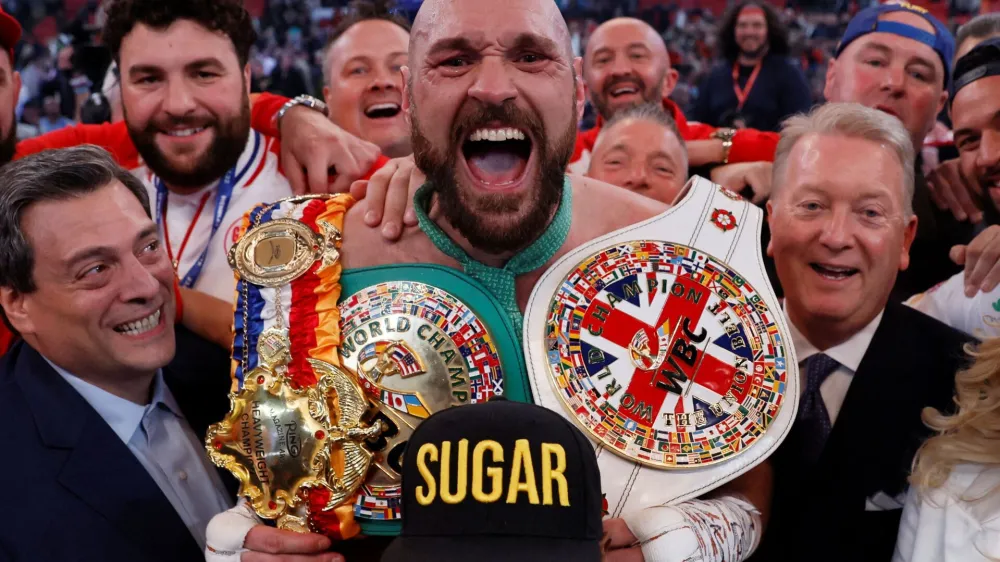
(257, 180)
(958, 522)
(848, 354)
(163, 442)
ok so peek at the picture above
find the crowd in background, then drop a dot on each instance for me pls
(63, 65)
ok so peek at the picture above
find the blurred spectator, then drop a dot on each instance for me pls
(31, 114)
(112, 93)
(95, 110)
(52, 118)
(754, 84)
(288, 79)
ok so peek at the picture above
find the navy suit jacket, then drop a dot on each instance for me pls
(72, 490)
(820, 514)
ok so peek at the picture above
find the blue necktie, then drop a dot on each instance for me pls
(813, 421)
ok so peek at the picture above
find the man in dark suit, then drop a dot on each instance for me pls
(104, 432)
(842, 224)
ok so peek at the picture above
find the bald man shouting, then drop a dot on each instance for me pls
(493, 98)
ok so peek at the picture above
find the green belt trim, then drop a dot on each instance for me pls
(505, 335)
(499, 281)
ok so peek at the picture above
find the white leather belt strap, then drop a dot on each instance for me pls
(689, 430)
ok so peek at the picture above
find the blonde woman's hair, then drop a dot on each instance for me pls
(972, 435)
(851, 120)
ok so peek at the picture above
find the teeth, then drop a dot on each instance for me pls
(185, 132)
(380, 106)
(621, 91)
(141, 326)
(497, 135)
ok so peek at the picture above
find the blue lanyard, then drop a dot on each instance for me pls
(222, 197)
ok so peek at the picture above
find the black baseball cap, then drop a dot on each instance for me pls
(499, 481)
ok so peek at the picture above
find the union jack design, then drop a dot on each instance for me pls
(665, 354)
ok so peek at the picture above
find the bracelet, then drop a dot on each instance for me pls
(726, 135)
(306, 101)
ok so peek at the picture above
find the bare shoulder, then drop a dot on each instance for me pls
(606, 208)
(364, 246)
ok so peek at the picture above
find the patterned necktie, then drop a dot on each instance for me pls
(813, 421)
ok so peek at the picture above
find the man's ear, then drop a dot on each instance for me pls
(247, 77)
(581, 88)
(15, 307)
(405, 105)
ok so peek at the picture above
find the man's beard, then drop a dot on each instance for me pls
(755, 53)
(228, 144)
(509, 230)
(602, 100)
(8, 144)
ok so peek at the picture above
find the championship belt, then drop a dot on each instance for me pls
(295, 437)
(665, 343)
(421, 338)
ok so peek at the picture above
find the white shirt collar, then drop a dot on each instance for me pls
(848, 353)
(124, 416)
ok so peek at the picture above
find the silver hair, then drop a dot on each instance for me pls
(50, 175)
(651, 112)
(849, 120)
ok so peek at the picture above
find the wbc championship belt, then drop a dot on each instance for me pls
(665, 343)
(421, 338)
(295, 436)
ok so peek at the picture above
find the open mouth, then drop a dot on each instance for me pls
(140, 326)
(382, 111)
(497, 156)
(623, 90)
(834, 272)
(184, 132)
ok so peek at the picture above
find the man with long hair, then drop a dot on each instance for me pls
(755, 84)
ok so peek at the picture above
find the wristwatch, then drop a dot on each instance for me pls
(725, 134)
(307, 101)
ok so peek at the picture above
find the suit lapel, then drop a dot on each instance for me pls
(867, 440)
(100, 469)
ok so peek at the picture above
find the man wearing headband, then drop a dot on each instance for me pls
(975, 109)
(950, 190)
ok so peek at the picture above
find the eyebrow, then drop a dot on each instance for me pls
(105, 251)
(193, 65)
(535, 41)
(630, 46)
(973, 130)
(452, 44)
(885, 49)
